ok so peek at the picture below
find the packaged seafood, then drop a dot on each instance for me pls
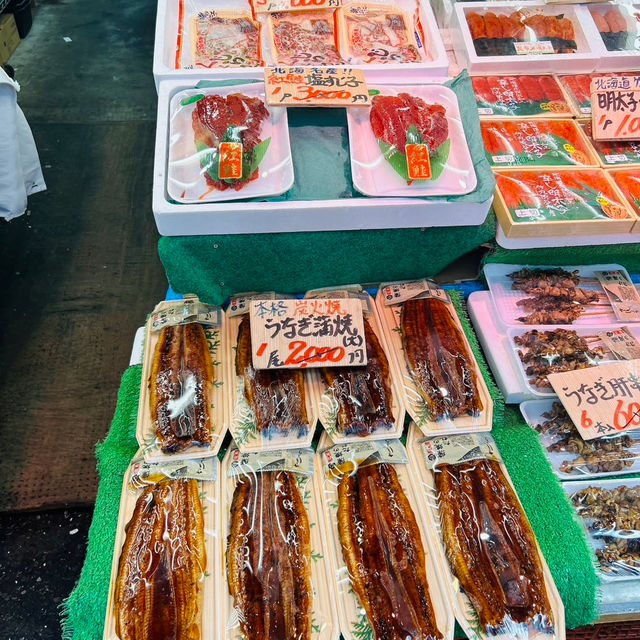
(182, 411)
(618, 25)
(520, 96)
(496, 575)
(541, 350)
(551, 295)
(572, 457)
(270, 408)
(227, 144)
(548, 202)
(373, 33)
(300, 38)
(578, 88)
(384, 572)
(275, 576)
(410, 141)
(165, 568)
(523, 38)
(628, 180)
(356, 403)
(528, 143)
(613, 153)
(443, 388)
(610, 510)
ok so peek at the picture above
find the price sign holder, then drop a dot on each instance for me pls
(300, 334)
(602, 400)
(316, 87)
(615, 108)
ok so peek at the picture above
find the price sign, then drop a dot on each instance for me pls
(316, 87)
(296, 334)
(621, 343)
(615, 108)
(622, 294)
(602, 400)
(397, 292)
(272, 6)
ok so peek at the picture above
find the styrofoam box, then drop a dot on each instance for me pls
(608, 60)
(164, 51)
(582, 61)
(174, 219)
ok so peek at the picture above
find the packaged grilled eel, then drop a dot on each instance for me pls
(443, 388)
(534, 143)
(226, 144)
(559, 202)
(303, 38)
(275, 576)
(410, 142)
(356, 403)
(539, 96)
(166, 560)
(270, 408)
(182, 413)
(374, 33)
(496, 575)
(570, 456)
(384, 572)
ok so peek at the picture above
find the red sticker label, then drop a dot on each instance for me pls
(230, 160)
(418, 162)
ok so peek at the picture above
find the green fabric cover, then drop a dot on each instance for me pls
(626, 254)
(214, 267)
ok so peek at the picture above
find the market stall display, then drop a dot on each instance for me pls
(613, 153)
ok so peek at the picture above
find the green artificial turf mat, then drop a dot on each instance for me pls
(625, 254)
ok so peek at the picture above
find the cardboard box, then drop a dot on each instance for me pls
(9, 38)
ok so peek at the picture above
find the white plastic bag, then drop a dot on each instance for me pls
(20, 171)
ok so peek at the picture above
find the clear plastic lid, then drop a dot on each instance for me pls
(578, 88)
(410, 142)
(618, 25)
(225, 143)
(629, 181)
(614, 153)
(572, 457)
(611, 513)
(520, 96)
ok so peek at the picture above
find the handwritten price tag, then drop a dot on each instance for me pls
(601, 400)
(270, 6)
(296, 334)
(615, 108)
(622, 294)
(317, 87)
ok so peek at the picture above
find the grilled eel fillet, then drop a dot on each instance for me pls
(181, 388)
(438, 359)
(269, 558)
(363, 394)
(275, 395)
(161, 566)
(383, 551)
(490, 545)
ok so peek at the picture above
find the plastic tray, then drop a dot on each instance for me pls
(166, 34)
(341, 209)
(533, 411)
(584, 59)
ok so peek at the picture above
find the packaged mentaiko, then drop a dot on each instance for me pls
(227, 144)
(613, 153)
(618, 25)
(526, 143)
(629, 182)
(578, 87)
(520, 96)
(300, 38)
(549, 202)
(372, 33)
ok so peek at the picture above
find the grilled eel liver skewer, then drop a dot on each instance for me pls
(490, 545)
(383, 551)
(276, 395)
(363, 394)
(269, 558)
(161, 565)
(181, 388)
(438, 359)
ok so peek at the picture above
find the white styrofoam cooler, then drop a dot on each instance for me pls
(166, 34)
(583, 61)
(173, 219)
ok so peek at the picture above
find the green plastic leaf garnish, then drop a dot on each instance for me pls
(185, 101)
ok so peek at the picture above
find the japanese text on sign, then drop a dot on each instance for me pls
(397, 292)
(314, 86)
(539, 46)
(190, 309)
(287, 334)
(271, 6)
(621, 342)
(601, 400)
(615, 107)
(622, 294)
